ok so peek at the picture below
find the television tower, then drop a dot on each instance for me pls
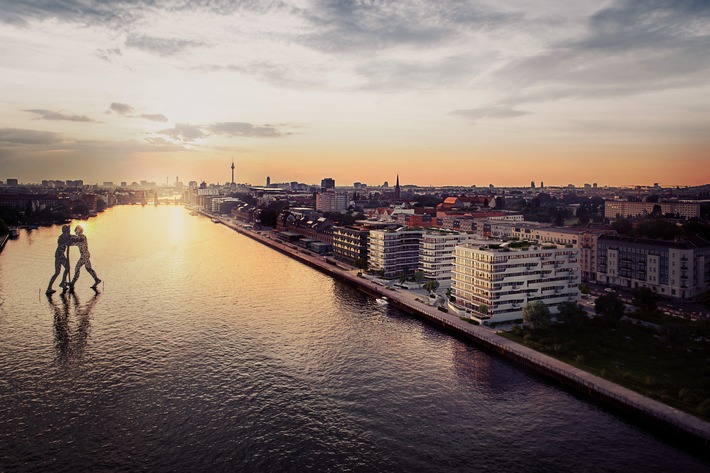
(232, 172)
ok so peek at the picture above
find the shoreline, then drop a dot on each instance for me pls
(681, 427)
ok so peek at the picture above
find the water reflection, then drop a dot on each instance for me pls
(70, 339)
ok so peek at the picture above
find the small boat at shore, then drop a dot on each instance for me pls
(382, 300)
(14, 232)
(216, 220)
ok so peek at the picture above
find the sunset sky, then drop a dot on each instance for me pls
(439, 92)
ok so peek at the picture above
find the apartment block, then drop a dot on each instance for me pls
(350, 243)
(494, 282)
(436, 255)
(616, 208)
(677, 269)
(331, 201)
(394, 252)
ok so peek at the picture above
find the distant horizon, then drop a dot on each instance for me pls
(391, 184)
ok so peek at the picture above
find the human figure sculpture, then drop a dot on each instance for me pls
(79, 239)
(60, 259)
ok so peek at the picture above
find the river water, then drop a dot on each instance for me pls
(206, 351)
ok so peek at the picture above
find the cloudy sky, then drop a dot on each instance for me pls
(445, 92)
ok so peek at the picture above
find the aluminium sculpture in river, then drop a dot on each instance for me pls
(79, 239)
(61, 258)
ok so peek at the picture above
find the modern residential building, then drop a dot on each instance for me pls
(677, 269)
(436, 255)
(394, 252)
(494, 282)
(350, 243)
(617, 208)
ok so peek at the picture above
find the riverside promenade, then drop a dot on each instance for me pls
(670, 422)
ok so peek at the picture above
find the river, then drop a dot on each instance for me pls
(204, 350)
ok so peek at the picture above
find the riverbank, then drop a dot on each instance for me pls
(669, 422)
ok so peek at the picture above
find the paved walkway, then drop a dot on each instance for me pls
(487, 336)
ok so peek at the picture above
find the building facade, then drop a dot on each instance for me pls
(494, 283)
(394, 252)
(623, 209)
(677, 269)
(436, 255)
(332, 201)
(350, 243)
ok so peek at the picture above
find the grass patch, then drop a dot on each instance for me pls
(471, 321)
(671, 365)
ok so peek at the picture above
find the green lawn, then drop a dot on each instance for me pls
(671, 365)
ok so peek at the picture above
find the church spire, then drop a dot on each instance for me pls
(397, 192)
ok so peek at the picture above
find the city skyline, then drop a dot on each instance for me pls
(442, 94)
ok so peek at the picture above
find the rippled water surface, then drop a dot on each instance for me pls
(206, 351)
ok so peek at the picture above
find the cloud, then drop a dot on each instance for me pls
(161, 46)
(121, 108)
(155, 117)
(108, 54)
(58, 116)
(489, 112)
(114, 13)
(127, 110)
(17, 136)
(454, 70)
(351, 26)
(184, 132)
(244, 129)
(628, 48)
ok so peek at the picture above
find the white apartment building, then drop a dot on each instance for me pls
(618, 208)
(494, 282)
(331, 201)
(544, 233)
(436, 255)
(394, 251)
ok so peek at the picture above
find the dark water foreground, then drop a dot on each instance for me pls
(206, 351)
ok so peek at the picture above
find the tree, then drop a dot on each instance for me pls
(402, 277)
(645, 299)
(483, 309)
(570, 312)
(622, 226)
(658, 229)
(536, 315)
(270, 213)
(584, 288)
(559, 217)
(418, 276)
(583, 214)
(704, 299)
(361, 263)
(609, 305)
(431, 286)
